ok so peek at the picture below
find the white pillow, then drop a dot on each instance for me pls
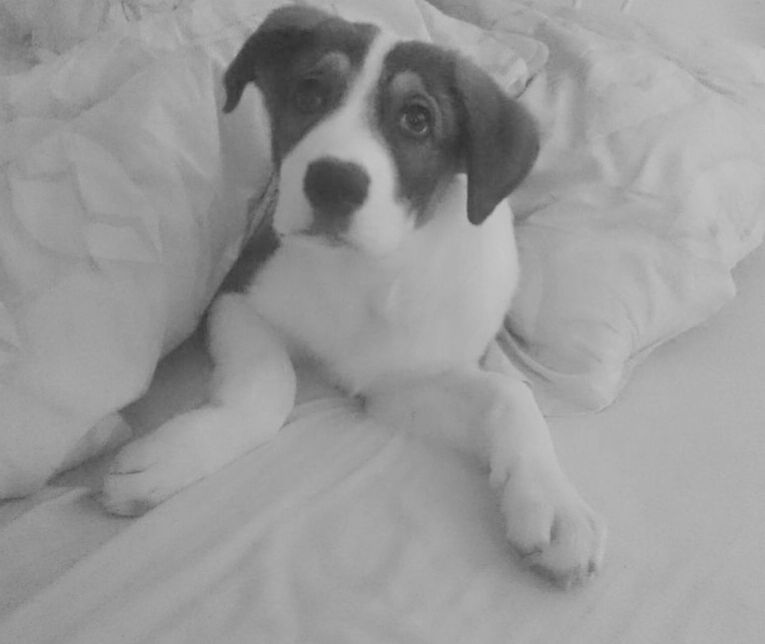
(649, 188)
(123, 201)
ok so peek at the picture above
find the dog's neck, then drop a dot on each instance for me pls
(433, 304)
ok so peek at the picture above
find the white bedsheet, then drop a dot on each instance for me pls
(342, 532)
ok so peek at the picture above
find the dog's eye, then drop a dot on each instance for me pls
(416, 121)
(310, 95)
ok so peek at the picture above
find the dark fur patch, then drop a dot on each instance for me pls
(475, 128)
(304, 62)
(419, 77)
(259, 246)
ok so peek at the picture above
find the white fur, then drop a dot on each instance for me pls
(431, 305)
(397, 313)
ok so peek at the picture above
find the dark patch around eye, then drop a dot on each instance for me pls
(311, 95)
(418, 120)
(312, 81)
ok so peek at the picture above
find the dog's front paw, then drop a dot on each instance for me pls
(555, 532)
(151, 469)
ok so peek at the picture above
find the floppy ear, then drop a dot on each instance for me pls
(499, 140)
(282, 33)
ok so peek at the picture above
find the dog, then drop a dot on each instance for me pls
(393, 266)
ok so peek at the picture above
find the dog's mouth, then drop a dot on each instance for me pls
(318, 235)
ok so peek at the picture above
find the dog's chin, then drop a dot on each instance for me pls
(320, 233)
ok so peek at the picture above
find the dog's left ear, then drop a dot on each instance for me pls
(284, 31)
(499, 140)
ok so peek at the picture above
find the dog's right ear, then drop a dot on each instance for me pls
(284, 31)
(499, 139)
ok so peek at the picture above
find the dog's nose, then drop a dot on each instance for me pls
(335, 188)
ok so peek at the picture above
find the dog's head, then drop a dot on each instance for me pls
(368, 130)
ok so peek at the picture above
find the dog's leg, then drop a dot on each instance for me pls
(252, 393)
(552, 528)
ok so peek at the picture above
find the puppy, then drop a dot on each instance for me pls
(393, 266)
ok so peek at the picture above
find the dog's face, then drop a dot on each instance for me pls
(368, 130)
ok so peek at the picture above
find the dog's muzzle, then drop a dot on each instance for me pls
(335, 189)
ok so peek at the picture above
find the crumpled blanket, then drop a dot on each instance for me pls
(649, 188)
(122, 204)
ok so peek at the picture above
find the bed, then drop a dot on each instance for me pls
(342, 530)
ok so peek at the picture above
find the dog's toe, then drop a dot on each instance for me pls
(554, 531)
(574, 552)
(145, 473)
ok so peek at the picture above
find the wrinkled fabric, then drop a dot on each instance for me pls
(122, 204)
(649, 188)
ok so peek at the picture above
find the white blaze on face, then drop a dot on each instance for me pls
(349, 134)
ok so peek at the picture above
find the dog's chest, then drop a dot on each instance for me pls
(436, 309)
